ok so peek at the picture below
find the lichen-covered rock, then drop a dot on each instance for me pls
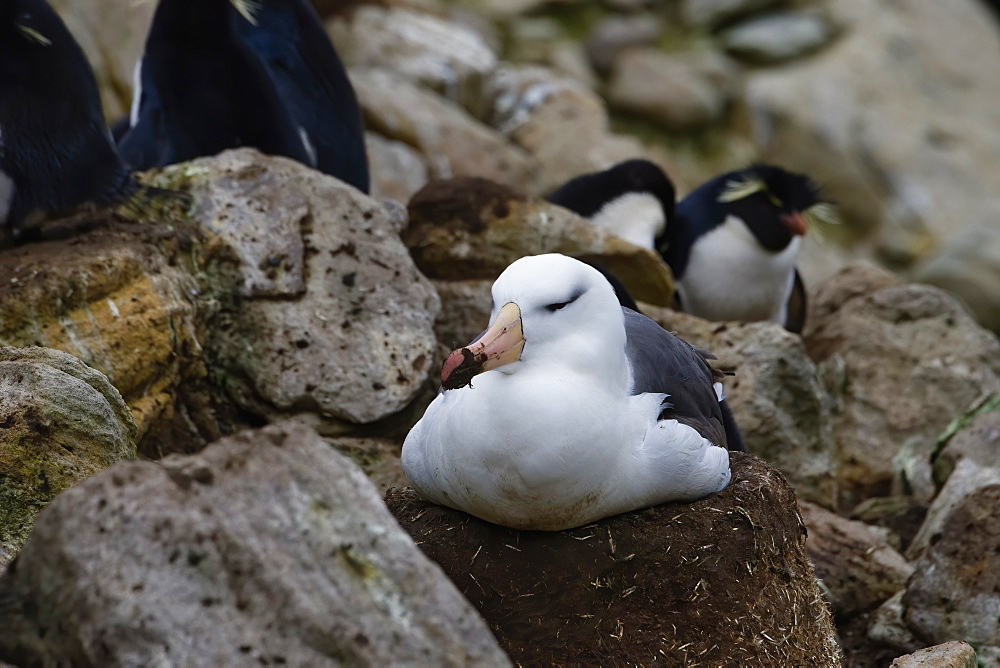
(859, 570)
(901, 361)
(132, 301)
(777, 397)
(451, 142)
(444, 55)
(560, 122)
(332, 320)
(954, 654)
(675, 91)
(721, 581)
(60, 421)
(267, 548)
(465, 229)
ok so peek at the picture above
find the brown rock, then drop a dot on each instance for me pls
(677, 92)
(859, 569)
(466, 229)
(721, 581)
(451, 142)
(268, 548)
(560, 122)
(955, 591)
(954, 654)
(443, 55)
(901, 362)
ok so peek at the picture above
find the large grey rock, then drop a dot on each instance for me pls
(560, 122)
(901, 362)
(968, 265)
(332, 319)
(448, 57)
(451, 142)
(776, 37)
(676, 91)
(267, 548)
(954, 654)
(780, 404)
(898, 119)
(60, 421)
(859, 569)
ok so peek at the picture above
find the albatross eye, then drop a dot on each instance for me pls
(555, 307)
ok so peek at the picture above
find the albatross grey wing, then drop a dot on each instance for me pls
(663, 362)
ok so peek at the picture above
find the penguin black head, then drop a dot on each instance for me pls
(772, 202)
(33, 42)
(634, 200)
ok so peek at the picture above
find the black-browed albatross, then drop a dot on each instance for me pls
(568, 408)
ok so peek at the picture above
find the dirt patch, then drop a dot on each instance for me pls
(722, 581)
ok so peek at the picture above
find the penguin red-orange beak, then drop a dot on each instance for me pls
(794, 222)
(499, 345)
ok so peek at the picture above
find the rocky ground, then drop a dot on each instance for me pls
(281, 296)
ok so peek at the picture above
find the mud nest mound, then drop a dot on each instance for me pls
(721, 581)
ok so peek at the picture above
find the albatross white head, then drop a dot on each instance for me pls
(549, 311)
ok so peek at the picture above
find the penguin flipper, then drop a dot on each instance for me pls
(795, 309)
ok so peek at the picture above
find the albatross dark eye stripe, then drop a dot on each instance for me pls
(559, 305)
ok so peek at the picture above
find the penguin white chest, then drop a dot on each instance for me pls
(730, 276)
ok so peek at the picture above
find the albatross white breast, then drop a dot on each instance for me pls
(568, 408)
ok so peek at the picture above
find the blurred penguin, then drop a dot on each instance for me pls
(199, 90)
(735, 241)
(289, 40)
(732, 243)
(55, 151)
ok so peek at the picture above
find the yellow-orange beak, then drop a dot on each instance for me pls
(499, 345)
